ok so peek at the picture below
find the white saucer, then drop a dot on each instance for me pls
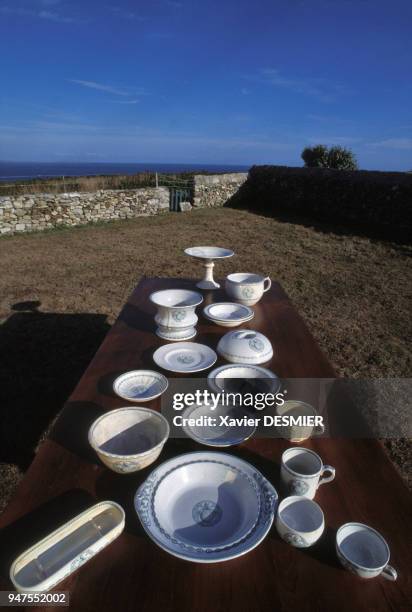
(228, 314)
(140, 385)
(184, 358)
(206, 507)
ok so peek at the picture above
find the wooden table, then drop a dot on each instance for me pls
(133, 573)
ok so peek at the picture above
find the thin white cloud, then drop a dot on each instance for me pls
(334, 140)
(100, 87)
(136, 101)
(319, 88)
(53, 16)
(393, 143)
(37, 14)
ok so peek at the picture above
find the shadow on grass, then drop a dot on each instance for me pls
(247, 199)
(43, 356)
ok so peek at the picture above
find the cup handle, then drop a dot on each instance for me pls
(269, 284)
(320, 429)
(327, 468)
(390, 573)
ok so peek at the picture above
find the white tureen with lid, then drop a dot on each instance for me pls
(245, 346)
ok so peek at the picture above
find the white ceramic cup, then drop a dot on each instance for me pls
(302, 472)
(296, 408)
(247, 288)
(363, 551)
(300, 521)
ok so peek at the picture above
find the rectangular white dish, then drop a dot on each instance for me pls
(42, 566)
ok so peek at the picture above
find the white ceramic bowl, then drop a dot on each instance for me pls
(140, 385)
(241, 378)
(245, 346)
(206, 507)
(300, 521)
(228, 314)
(363, 551)
(129, 439)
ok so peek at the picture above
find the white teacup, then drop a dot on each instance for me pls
(247, 288)
(296, 408)
(300, 521)
(363, 551)
(302, 472)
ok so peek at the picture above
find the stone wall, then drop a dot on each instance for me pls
(26, 213)
(216, 190)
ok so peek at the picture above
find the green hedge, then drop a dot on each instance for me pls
(372, 202)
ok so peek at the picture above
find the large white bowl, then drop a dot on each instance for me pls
(206, 507)
(129, 439)
(245, 346)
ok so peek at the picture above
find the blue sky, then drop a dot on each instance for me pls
(205, 81)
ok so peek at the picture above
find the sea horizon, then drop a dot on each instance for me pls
(12, 170)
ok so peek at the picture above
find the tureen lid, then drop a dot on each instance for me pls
(245, 346)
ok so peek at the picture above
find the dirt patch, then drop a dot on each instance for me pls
(61, 290)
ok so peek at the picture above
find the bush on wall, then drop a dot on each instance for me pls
(337, 158)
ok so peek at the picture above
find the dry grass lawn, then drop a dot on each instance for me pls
(354, 293)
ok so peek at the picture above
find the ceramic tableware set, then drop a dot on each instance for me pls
(204, 506)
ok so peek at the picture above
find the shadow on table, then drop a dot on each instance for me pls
(43, 356)
(71, 429)
(32, 527)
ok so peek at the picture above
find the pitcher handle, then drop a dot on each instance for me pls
(269, 284)
(327, 468)
(390, 573)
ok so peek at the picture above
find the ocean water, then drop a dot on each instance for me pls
(13, 171)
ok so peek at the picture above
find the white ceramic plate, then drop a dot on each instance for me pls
(239, 378)
(184, 358)
(217, 433)
(208, 252)
(206, 507)
(228, 314)
(140, 385)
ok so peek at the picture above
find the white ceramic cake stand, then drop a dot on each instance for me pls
(208, 255)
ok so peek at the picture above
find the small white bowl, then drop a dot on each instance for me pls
(228, 314)
(129, 439)
(240, 378)
(140, 385)
(245, 346)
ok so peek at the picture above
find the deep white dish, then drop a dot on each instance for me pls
(208, 254)
(140, 385)
(363, 551)
(176, 317)
(220, 432)
(240, 378)
(185, 358)
(206, 507)
(52, 559)
(300, 521)
(129, 439)
(245, 346)
(228, 314)
(247, 288)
